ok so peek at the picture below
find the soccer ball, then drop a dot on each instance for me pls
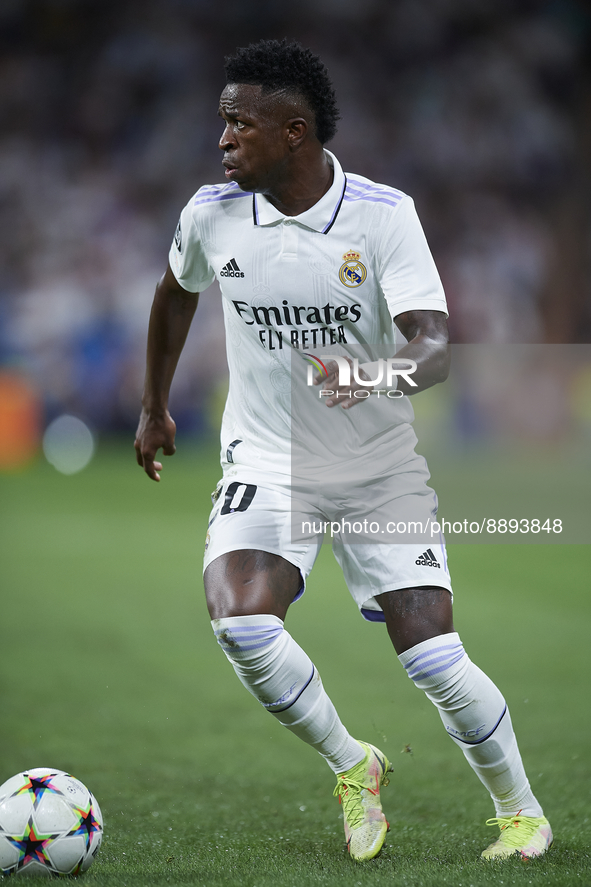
(49, 824)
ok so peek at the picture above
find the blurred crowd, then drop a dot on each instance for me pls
(481, 111)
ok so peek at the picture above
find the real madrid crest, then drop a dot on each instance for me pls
(353, 272)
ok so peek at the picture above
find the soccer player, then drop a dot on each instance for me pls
(310, 258)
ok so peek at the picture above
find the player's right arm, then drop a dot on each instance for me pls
(172, 312)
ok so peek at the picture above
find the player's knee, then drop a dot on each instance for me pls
(248, 583)
(226, 598)
(415, 615)
(226, 605)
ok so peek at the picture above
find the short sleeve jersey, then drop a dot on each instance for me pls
(335, 275)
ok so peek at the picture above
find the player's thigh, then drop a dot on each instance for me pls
(251, 565)
(405, 586)
(376, 569)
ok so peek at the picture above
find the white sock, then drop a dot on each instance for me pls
(476, 717)
(281, 676)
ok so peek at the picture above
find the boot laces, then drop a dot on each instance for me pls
(349, 795)
(515, 830)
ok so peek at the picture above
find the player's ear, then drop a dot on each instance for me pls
(297, 130)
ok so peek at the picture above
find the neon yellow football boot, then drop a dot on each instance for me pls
(525, 836)
(358, 791)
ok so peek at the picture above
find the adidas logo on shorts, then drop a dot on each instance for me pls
(231, 270)
(428, 559)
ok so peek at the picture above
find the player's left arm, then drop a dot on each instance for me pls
(427, 345)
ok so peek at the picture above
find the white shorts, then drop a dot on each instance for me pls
(257, 510)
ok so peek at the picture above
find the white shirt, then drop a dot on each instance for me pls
(335, 275)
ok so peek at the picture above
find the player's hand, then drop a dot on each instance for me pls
(152, 434)
(343, 396)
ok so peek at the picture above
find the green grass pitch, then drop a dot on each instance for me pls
(109, 670)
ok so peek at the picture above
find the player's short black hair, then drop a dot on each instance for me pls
(278, 64)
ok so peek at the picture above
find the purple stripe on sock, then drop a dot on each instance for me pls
(248, 638)
(242, 648)
(426, 654)
(447, 663)
(434, 660)
(248, 629)
(250, 635)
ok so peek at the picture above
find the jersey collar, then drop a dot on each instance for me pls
(320, 217)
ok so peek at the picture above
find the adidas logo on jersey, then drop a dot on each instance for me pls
(428, 559)
(231, 270)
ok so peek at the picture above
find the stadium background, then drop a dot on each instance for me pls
(107, 125)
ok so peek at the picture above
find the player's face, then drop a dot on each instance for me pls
(255, 139)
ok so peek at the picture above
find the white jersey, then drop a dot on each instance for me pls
(335, 275)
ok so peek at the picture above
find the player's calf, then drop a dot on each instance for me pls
(476, 717)
(282, 677)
